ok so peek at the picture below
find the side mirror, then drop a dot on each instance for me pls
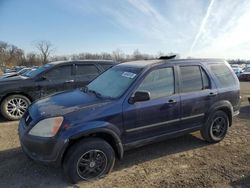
(139, 96)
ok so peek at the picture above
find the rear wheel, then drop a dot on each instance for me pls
(14, 106)
(88, 159)
(215, 129)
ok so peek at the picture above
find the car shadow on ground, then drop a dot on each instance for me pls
(160, 149)
(244, 112)
(2, 120)
(242, 183)
(19, 171)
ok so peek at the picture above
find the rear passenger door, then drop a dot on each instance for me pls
(85, 73)
(196, 93)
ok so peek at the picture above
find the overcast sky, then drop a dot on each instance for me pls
(197, 28)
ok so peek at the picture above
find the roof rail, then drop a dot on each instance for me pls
(167, 57)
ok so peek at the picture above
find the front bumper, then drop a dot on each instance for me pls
(43, 150)
(236, 113)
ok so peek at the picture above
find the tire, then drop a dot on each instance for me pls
(17, 103)
(78, 160)
(216, 127)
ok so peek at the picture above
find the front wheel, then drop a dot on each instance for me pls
(215, 129)
(88, 159)
(14, 106)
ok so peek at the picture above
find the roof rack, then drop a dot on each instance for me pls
(167, 57)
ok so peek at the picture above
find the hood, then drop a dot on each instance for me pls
(12, 79)
(64, 103)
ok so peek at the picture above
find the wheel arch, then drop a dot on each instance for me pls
(224, 106)
(16, 93)
(107, 135)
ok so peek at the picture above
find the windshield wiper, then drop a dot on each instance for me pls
(87, 90)
(97, 94)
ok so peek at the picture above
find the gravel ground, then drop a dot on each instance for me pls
(186, 161)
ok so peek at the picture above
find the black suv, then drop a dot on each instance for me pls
(18, 92)
(130, 105)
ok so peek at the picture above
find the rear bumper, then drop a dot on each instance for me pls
(245, 77)
(47, 151)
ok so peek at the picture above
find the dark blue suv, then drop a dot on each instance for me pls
(130, 105)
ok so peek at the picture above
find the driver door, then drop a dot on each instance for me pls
(56, 80)
(157, 116)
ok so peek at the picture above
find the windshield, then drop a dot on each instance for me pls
(37, 71)
(22, 71)
(115, 81)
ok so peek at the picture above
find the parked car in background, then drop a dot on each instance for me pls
(245, 67)
(20, 72)
(19, 91)
(130, 105)
(245, 76)
(237, 71)
(7, 70)
(18, 68)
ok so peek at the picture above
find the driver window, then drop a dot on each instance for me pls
(59, 73)
(159, 83)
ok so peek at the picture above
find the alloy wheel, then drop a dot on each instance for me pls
(16, 107)
(92, 164)
(219, 127)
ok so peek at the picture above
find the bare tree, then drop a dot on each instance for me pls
(32, 59)
(118, 55)
(10, 55)
(45, 48)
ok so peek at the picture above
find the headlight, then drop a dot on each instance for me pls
(47, 127)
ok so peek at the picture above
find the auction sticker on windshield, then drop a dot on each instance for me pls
(129, 74)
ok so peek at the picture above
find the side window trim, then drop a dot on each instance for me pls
(202, 78)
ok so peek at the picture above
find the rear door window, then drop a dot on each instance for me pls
(86, 70)
(60, 73)
(193, 78)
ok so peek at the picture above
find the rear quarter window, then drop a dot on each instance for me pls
(223, 74)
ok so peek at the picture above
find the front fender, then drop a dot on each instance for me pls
(88, 128)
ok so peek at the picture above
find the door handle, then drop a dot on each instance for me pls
(212, 94)
(171, 101)
(69, 81)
